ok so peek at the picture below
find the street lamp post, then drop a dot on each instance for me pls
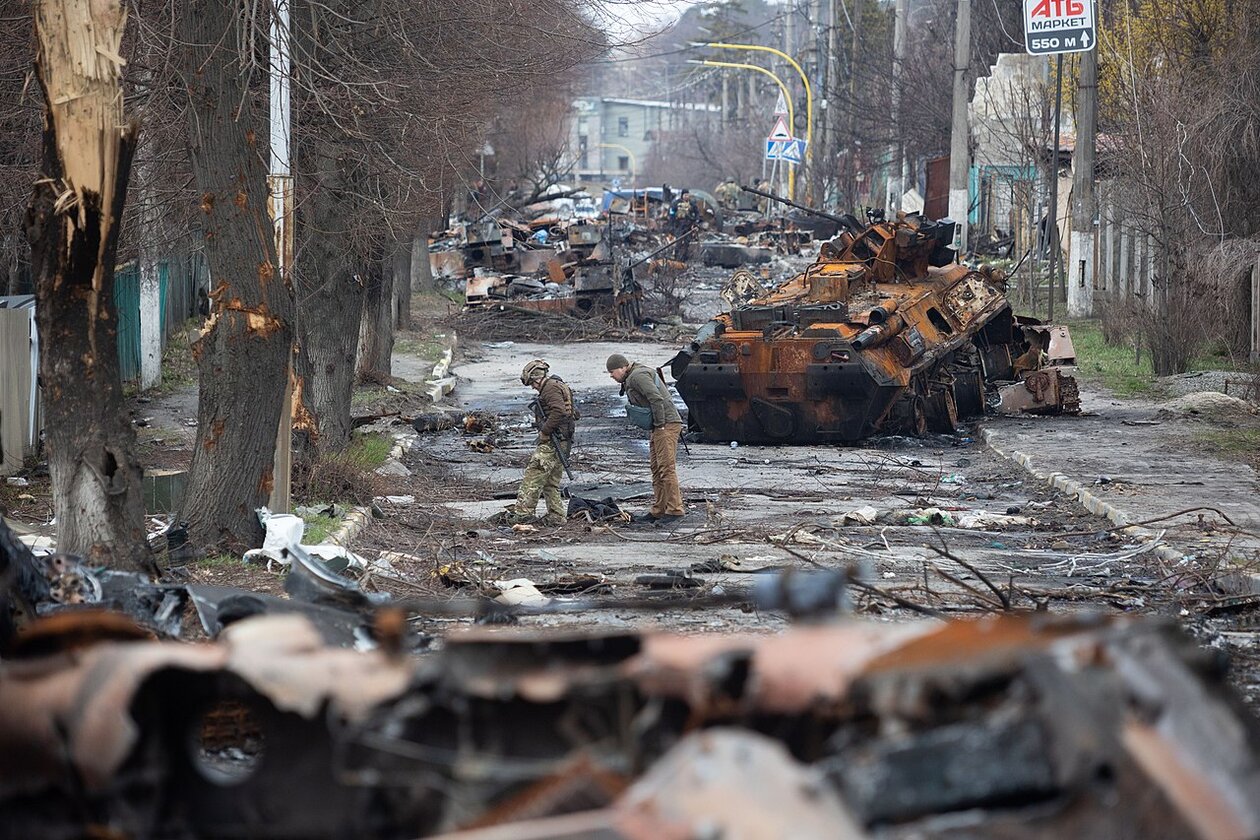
(809, 91)
(787, 98)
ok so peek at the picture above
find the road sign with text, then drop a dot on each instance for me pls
(1059, 26)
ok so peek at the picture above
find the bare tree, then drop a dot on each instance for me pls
(243, 351)
(73, 224)
(1178, 103)
(394, 98)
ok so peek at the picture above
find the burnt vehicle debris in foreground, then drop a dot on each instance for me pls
(884, 334)
(1015, 726)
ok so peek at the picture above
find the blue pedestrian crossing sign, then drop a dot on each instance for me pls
(791, 150)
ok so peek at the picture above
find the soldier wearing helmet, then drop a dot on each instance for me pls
(555, 416)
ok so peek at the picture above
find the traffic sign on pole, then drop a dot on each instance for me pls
(780, 130)
(780, 106)
(791, 150)
(794, 151)
(1059, 26)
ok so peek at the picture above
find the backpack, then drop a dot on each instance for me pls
(568, 398)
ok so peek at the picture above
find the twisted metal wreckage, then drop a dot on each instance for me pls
(885, 333)
(1015, 726)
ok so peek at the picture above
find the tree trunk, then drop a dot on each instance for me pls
(325, 363)
(402, 285)
(332, 286)
(376, 329)
(421, 268)
(73, 223)
(243, 351)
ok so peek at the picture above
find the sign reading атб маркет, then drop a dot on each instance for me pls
(1058, 26)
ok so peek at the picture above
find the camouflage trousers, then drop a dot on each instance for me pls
(542, 478)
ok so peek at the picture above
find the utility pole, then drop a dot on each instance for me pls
(1055, 250)
(851, 170)
(281, 184)
(959, 141)
(896, 179)
(815, 69)
(726, 100)
(1080, 293)
(788, 169)
(828, 143)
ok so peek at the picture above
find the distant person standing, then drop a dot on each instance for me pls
(651, 407)
(763, 203)
(555, 416)
(683, 216)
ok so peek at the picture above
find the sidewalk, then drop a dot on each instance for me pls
(1124, 462)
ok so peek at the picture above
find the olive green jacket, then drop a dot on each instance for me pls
(643, 387)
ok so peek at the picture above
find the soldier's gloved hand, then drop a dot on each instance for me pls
(542, 439)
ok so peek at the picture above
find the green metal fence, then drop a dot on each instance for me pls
(178, 277)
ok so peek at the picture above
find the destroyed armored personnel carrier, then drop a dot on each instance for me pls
(884, 334)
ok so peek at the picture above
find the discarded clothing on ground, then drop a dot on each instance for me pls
(596, 510)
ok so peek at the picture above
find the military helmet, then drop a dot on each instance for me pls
(537, 369)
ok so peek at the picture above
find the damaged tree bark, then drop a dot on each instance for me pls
(376, 329)
(402, 284)
(332, 287)
(243, 352)
(73, 222)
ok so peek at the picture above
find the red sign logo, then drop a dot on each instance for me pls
(1058, 8)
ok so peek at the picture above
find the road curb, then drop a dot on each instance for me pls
(1086, 498)
(354, 524)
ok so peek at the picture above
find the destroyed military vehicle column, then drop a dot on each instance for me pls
(884, 334)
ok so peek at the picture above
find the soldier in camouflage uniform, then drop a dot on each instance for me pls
(554, 414)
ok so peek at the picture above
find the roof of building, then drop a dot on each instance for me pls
(657, 103)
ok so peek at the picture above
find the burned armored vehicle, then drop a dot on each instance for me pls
(884, 334)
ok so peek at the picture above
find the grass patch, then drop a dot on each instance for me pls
(216, 561)
(366, 396)
(1114, 367)
(1236, 442)
(318, 528)
(425, 349)
(368, 451)
(345, 476)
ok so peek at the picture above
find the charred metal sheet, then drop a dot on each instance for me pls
(1057, 343)
(1031, 726)
(727, 783)
(1045, 391)
(218, 607)
(479, 287)
(738, 785)
(447, 264)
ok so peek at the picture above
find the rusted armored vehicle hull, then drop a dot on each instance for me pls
(883, 335)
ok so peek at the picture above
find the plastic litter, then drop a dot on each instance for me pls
(929, 516)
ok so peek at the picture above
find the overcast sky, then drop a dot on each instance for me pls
(630, 20)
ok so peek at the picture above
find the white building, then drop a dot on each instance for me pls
(612, 137)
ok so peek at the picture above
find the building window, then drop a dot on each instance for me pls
(623, 126)
(583, 127)
(623, 163)
(582, 157)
